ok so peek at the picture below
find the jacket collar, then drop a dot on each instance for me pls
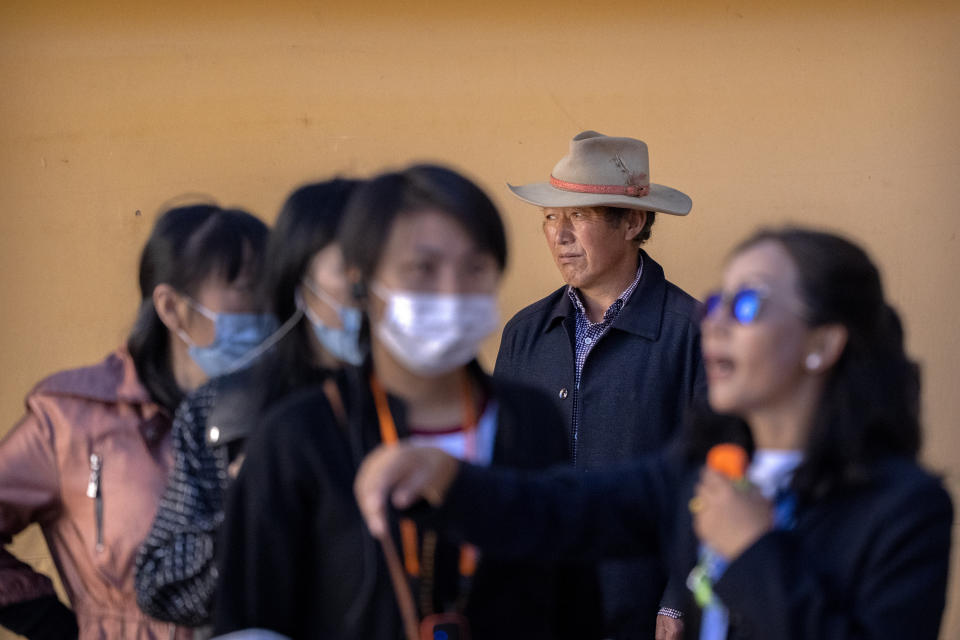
(237, 397)
(643, 313)
(112, 380)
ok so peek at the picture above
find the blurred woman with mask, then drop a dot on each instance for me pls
(89, 460)
(304, 285)
(825, 526)
(425, 250)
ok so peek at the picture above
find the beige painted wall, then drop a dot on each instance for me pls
(838, 114)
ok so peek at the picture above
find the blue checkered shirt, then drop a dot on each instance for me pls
(588, 334)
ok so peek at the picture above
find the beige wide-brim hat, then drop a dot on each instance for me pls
(602, 171)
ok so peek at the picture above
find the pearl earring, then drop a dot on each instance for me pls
(813, 362)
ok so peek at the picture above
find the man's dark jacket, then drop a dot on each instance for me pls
(635, 387)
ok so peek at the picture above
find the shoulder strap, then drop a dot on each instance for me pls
(401, 588)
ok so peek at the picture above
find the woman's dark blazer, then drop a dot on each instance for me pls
(866, 562)
(296, 558)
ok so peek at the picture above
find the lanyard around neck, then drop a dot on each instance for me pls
(390, 437)
(388, 428)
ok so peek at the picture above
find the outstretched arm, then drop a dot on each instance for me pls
(558, 514)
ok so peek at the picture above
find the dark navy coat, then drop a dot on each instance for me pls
(635, 387)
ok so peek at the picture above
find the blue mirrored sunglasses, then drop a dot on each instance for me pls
(744, 305)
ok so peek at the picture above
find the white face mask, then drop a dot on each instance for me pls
(433, 333)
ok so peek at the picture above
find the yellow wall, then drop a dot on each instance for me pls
(839, 114)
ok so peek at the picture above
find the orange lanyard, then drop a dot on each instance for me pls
(389, 437)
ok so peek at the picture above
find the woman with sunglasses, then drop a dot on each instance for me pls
(303, 285)
(836, 531)
(425, 249)
(89, 460)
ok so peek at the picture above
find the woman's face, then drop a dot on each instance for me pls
(326, 273)
(219, 296)
(216, 294)
(428, 252)
(758, 366)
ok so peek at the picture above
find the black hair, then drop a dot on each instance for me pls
(188, 244)
(377, 204)
(615, 216)
(307, 223)
(871, 400)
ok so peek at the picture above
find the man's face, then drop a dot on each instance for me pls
(585, 245)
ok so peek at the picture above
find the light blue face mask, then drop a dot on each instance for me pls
(238, 339)
(342, 343)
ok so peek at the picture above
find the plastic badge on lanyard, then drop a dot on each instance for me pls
(445, 626)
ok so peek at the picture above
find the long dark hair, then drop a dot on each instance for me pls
(188, 244)
(376, 205)
(307, 223)
(871, 400)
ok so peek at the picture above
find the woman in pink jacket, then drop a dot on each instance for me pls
(89, 460)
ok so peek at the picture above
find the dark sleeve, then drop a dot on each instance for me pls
(694, 390)
(44, 618)
(898, 592)
(29, 492)
(694, 378)
(563, 514)
(695, 358)
(504, 367)
(265, 539)
(675, 594)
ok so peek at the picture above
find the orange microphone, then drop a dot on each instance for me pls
(729, 459)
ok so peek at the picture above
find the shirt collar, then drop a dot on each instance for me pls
(614, 309)
(772, 469)
(640, 319)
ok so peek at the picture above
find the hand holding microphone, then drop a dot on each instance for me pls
(729, 514)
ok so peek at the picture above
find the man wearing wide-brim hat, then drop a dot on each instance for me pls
(618, 347)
